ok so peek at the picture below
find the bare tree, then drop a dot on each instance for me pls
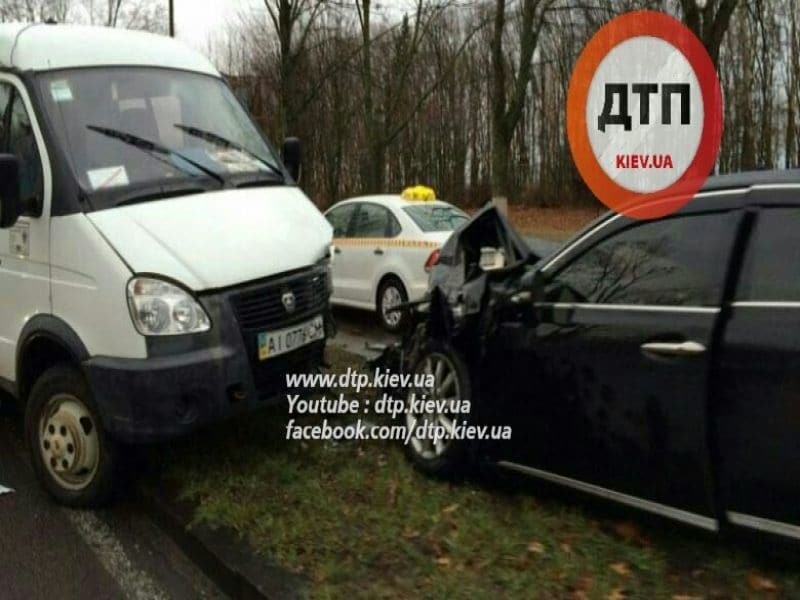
(710, 22)
(292, 21)
(33, 11)
(509, 90)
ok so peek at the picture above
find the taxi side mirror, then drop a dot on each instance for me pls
(293, 157)
(10, 206)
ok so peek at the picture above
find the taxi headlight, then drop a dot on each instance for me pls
(161, 308)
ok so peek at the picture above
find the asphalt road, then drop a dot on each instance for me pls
(47, 551)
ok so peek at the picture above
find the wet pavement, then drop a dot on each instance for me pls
(47, 551)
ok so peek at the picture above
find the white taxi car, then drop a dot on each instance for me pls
(384, 246)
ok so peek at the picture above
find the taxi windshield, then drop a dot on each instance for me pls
(436, 217)
(133, 128)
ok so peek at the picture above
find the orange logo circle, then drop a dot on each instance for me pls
(644, 114)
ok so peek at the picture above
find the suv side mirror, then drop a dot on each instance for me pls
(10, 206)
(532, 286)
(292, 157)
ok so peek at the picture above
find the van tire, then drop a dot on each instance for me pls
(62, 422)
(391, 287)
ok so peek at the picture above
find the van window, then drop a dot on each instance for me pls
(21, 142)
(114, 125)
(771, 270)
(5, 98)
(679, 261)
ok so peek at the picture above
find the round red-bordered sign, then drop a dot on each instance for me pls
(660, 202)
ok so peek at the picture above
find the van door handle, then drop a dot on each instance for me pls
(337, 250)
(688, 348)
(378, 251)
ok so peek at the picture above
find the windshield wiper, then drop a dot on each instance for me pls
(218, 140)
(153, 147)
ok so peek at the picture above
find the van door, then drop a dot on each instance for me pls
(25, 247)
(757, 400)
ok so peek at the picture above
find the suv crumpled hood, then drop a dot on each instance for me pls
(218, 239)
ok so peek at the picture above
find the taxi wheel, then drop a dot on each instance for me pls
(71, 454)
(391, 294)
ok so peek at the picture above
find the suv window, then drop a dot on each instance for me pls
(339, 218)
(771, 270)
(372, 221)
(678, 261)
(20, 141)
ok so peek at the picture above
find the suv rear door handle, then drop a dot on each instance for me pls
(378, 251)
(688, 348)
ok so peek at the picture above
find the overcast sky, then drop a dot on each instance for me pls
(198, 21)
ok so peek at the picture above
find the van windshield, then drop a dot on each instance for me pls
(133, 130)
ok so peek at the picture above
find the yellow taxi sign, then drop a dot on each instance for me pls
(418, 193)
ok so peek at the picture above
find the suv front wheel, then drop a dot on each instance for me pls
(71, 454)
(432, 447)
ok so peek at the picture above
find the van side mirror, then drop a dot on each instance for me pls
(10, 206)
(293, 157)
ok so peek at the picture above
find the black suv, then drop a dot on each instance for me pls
(654, 363)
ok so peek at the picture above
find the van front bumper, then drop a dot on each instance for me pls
(190, 381)
(153, 399)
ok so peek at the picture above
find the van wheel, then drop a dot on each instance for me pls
(71, 454)
(391, 294)
(439, 457)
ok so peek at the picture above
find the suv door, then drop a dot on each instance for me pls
(24, 248)
(757, 404)
(616, 367)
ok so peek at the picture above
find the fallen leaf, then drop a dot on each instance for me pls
(393, 487)
(450, 509)
(566, 548)
(759, 583)
(443, 561)
(617, 594)
(630, 533)
(535, 548)
(621, 568)
(411, 534)
(581, 590)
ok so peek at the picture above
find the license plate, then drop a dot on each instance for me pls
(274, 343)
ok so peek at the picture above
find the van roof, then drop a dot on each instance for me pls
(43, 47)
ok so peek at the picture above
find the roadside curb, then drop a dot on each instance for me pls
(224, 558)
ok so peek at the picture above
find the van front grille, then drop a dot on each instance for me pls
(262, 308)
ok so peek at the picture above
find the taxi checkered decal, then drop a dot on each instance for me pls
(386, 242)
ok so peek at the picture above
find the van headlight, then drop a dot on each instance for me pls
(161, 308)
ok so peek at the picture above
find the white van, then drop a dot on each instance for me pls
(159, 267)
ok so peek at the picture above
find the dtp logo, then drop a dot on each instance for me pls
(644, 114)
